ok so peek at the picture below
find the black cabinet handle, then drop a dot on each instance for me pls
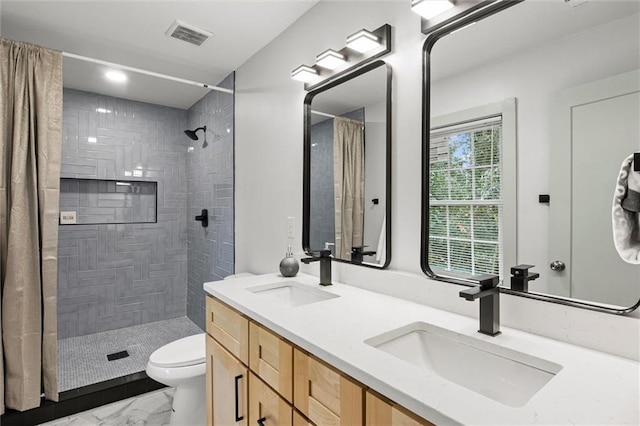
(238, 416)
(261, 421)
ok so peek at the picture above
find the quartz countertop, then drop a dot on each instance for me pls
(591, 388)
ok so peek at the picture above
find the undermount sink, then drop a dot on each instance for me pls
(504, 375)
(291, 293)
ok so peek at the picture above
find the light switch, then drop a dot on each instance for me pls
(68, 218)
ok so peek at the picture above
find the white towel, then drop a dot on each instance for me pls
(381, 251)
(625, 219)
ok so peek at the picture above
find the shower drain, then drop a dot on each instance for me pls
(117, 355)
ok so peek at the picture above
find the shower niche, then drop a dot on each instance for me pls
(99, 202)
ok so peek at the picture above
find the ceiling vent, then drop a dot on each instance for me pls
(188, 33)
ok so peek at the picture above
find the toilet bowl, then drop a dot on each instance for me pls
(181, 364)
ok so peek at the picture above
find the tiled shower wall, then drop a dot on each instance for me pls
(114, 276)
(210, 176)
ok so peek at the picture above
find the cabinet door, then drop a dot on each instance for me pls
(324, 395)
(380, 412)
(266, 408)
(270, 357)
(226, 388)
(229, 328)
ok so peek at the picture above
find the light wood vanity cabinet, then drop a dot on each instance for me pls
(255, 377)
(227, 380)
(324, 395)
(229, 328)
(382, 412)
(299, 420)
(266, 407)
(270, 358)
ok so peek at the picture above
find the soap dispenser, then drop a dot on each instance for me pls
(289, 265)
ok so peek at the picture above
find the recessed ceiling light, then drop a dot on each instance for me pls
(117, 76)
(92, 139)
(103, 110)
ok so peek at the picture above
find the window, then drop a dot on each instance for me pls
(466, 199)
(472, 192)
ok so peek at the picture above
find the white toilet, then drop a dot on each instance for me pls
(182, 364)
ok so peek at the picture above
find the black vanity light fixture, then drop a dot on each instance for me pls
(361, 47)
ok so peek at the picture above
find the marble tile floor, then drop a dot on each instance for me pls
(83, 360)
(150, 409)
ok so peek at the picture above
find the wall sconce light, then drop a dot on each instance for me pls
(362, 47)
(439, 14)
(304, 73)
(362, 41)
(431, 8)
(330, 59)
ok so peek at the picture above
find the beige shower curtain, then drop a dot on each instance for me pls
(348, 184)
(30, 150)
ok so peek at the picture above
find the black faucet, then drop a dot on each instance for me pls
(489, 296)
(520, 277)
(324, 257)
(358, 253)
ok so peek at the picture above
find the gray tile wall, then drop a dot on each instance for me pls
(210, 176)
(322, 216)
(114, 276)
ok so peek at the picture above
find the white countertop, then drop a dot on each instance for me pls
(592, 387)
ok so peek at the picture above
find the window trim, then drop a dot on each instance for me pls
(507, 109)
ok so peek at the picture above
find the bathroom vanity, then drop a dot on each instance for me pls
(286, 351)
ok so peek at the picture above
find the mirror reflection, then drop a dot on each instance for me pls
(347, 145)
(533, 110)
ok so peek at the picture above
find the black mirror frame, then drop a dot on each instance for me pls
(456, 23)
(306, 187)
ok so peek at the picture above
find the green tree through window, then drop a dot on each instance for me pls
(465, 213)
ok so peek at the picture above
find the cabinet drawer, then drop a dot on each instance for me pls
(271, 358)
(381, 412)
(299, 420)
(229, 328)
(266, 408)
(324, 395)
(226, 390)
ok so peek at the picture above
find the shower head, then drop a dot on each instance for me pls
(192, 133)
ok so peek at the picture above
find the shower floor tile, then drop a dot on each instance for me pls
(82, 360)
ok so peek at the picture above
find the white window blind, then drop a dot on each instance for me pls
(465, 194)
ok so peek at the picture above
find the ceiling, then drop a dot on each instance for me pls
(132, 33)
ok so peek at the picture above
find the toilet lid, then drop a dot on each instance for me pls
(180, 353)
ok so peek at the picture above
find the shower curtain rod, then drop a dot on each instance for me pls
(145, 72)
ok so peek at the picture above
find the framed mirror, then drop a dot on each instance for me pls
(530, 109)
(347, 167)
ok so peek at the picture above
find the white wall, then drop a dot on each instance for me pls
(269, 113)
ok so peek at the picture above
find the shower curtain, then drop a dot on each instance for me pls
(30, 150)
(348, 184)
